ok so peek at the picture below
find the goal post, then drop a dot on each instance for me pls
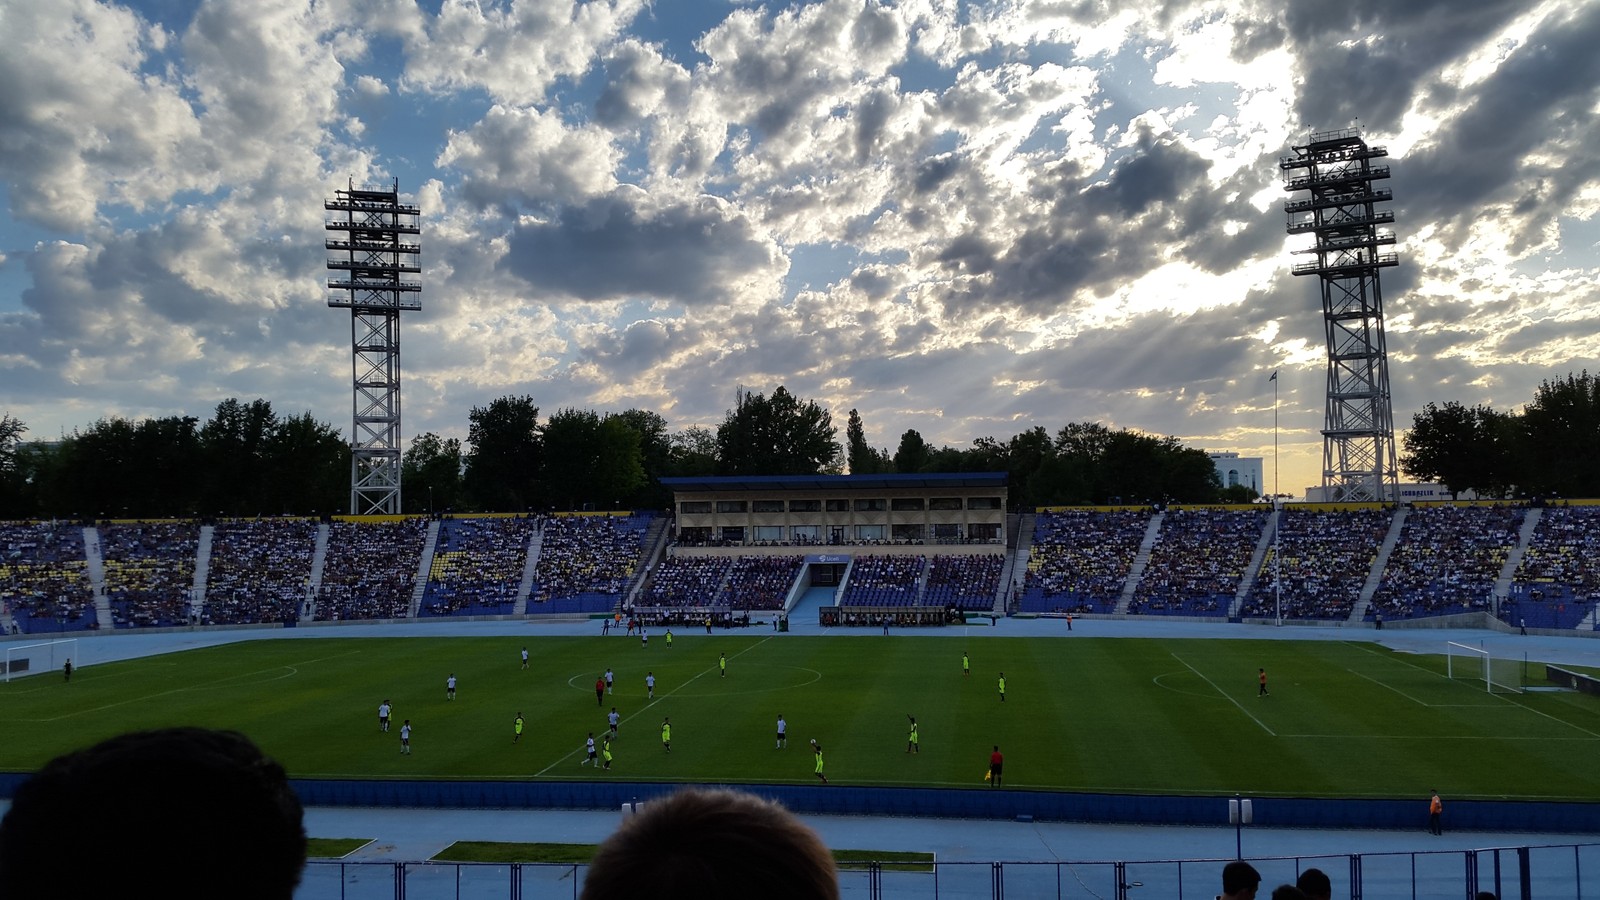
(1498, 675)
(34, 659)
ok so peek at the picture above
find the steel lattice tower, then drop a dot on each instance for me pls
(1358, 453)
(365, 233)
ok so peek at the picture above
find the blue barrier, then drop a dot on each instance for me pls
(969, 803)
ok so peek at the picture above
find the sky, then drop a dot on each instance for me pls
(968, 219)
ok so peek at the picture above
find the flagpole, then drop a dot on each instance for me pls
(1277, 558)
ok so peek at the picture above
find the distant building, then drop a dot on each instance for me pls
(1239, 471)
(1410, 492)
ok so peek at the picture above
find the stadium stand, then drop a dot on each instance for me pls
(1446, 561)
(1557, 582)
(477, 566)
(259, 571)
(884, 581)
(370, 569)
(762, 582)
(149, 572)
(587, 561)
(44, 580)
(1080, 559)
(1199, 559)
(963, 581)
(1326, 555)
(687, 581)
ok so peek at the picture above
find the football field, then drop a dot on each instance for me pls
(1125, 715)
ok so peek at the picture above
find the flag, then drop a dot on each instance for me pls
(1274, 377)
(988, 775)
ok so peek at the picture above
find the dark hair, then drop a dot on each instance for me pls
(712, 845)
(176, 813)
(1315, 883)
(1239, 876)
(1288, 892)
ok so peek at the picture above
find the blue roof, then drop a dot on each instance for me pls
(913, 481)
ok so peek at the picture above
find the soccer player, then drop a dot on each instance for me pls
(669, 638)
(605, 751)
(650, 684)
(405, 737)
(816, 750)
(524, 657)
(66, 670)
(600, 691)
(722, 663)
(1261, 678)
(612, 719)
(911, 739)
(1002, 687)
(450, 687)
(966, 665)
(610, 679)
(644, 638)
(589, 748)
(666, 734)
(383, 716)
(783, 733)
(1435, 810)
(997, 763)
(516, 728)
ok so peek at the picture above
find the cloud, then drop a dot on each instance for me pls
(618, 246)
(524, 156)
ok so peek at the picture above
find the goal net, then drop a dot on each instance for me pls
(34, 659)
(1497, 675)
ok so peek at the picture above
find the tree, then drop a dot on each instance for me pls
(504, 464)
(234, 444)
(864, 459)
(590, 462)
(777, 436)
(13, 485)
(307, 463)
(694, 452)
(169, 453)
(1462, 448)
(430, 474)
(913, 455)
(655, 454)
(1561, 428)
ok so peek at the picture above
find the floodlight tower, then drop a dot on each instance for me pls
(1358, 454)
(367, 258)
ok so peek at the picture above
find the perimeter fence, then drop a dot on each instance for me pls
(1512, 873)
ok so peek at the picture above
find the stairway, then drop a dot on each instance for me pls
(202, 571)
(1358, 612)
(1152, 533)
(319, 556)
(530, 567)
(96, 566)
(424, 567)
(1257, 558)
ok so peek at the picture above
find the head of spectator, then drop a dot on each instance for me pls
(712, 845)
(174, 813)
(1315, 884)
(1239, 881)
(1288, 892)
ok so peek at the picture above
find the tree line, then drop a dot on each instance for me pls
(248, 460)
(1546, 450)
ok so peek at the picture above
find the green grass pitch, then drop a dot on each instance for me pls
(1344, 719)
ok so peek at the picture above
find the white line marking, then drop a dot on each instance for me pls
(1225, 696)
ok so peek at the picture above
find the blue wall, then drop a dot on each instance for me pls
(976, 803)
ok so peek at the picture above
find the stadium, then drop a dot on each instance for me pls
(1130, 639)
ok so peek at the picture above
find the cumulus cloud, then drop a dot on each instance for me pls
(705, 253)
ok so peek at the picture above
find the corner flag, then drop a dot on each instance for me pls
(1274, 377)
